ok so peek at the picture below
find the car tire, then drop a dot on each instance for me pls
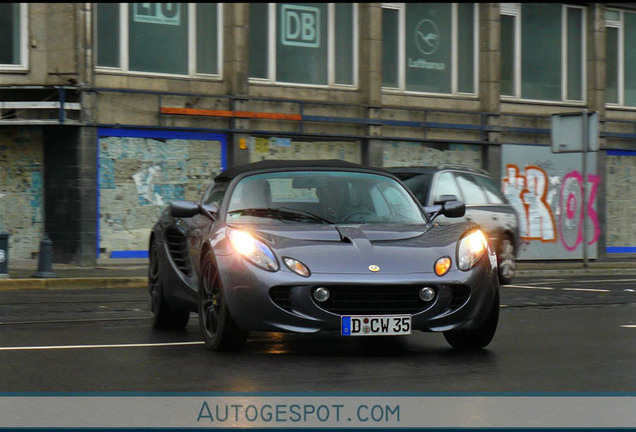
(506, 261)
(220, 331)
(479, 337)
(163, 315)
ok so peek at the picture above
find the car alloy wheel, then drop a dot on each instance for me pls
(163, 316)
(219, 330)
(507, 263)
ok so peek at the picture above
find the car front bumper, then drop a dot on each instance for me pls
(463, 299)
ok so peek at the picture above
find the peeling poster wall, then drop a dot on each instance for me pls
(286, 149)
(21, 196)
(621, 201)
(139, 176)
(405, 153)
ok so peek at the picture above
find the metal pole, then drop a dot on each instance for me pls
(586, 146)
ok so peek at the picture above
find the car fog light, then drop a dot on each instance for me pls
(321, 294)
(427, 294)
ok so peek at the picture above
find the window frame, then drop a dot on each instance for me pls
(124, 54)
(401, 89)
(620, 25)
(514, 10)
(331, 51)
(23, 64)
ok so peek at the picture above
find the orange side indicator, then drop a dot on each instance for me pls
(442, 266)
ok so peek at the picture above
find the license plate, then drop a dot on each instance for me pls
(376, 325)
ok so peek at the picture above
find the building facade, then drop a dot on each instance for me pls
(110, 111)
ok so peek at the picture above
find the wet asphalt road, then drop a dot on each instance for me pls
(554, 335)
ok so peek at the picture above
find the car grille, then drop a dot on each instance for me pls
(280, 296)
(178, 248)
(374, 299)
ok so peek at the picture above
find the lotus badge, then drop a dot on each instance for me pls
(374, 268)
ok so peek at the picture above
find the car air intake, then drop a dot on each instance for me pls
(280, 296)
(178, 248)
(374, 299)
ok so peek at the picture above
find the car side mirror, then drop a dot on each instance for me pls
(184, 209)
(210, 210)
(450, 209)
(454, 209)
(445, 198)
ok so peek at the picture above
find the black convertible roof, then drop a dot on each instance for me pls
(273, 165)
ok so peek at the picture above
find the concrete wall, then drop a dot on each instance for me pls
(21, 191)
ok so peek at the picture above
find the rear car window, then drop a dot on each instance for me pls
(472, 191)
(446, 185)
(493, 193)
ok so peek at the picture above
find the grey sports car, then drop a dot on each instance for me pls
(305, 246)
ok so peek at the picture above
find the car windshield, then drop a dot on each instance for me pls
(322, 197)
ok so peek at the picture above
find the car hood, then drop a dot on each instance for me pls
(353, 248)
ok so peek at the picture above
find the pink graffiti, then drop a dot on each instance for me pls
(572, 189)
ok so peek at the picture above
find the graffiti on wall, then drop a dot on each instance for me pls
(529, 190)
(547, 192)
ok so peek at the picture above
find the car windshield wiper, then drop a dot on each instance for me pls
(282, 213)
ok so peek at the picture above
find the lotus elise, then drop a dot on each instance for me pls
(309, 246)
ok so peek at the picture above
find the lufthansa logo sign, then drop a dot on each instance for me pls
(427, 36)
(374, 268)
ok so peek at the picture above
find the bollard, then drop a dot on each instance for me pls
(4, 255)
(45, 259)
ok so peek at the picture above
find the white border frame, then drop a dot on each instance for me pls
(124, 54)
(401, 89)
(620, 25)
(23, 64)
(331, 54)
(514, 9)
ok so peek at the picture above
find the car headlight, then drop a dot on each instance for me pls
(252, 249)
(471, 248)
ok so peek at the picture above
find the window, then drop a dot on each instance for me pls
(620, 42)
(303, 43)
(446, 185)
(493, 194)
(161, 38)
(430, 47)
(13, 38)
(472, 192)
(543, 52)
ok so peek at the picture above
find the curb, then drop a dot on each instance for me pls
(72, 283)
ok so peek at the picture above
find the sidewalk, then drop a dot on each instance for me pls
(133, 273)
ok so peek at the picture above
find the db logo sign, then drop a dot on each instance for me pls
(158, 13)
(300, 26)
(3, 256)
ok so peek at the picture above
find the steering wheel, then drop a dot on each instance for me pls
(356, 216)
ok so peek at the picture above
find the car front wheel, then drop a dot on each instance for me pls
(219, 330)
(479, 337)
(163, 315)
